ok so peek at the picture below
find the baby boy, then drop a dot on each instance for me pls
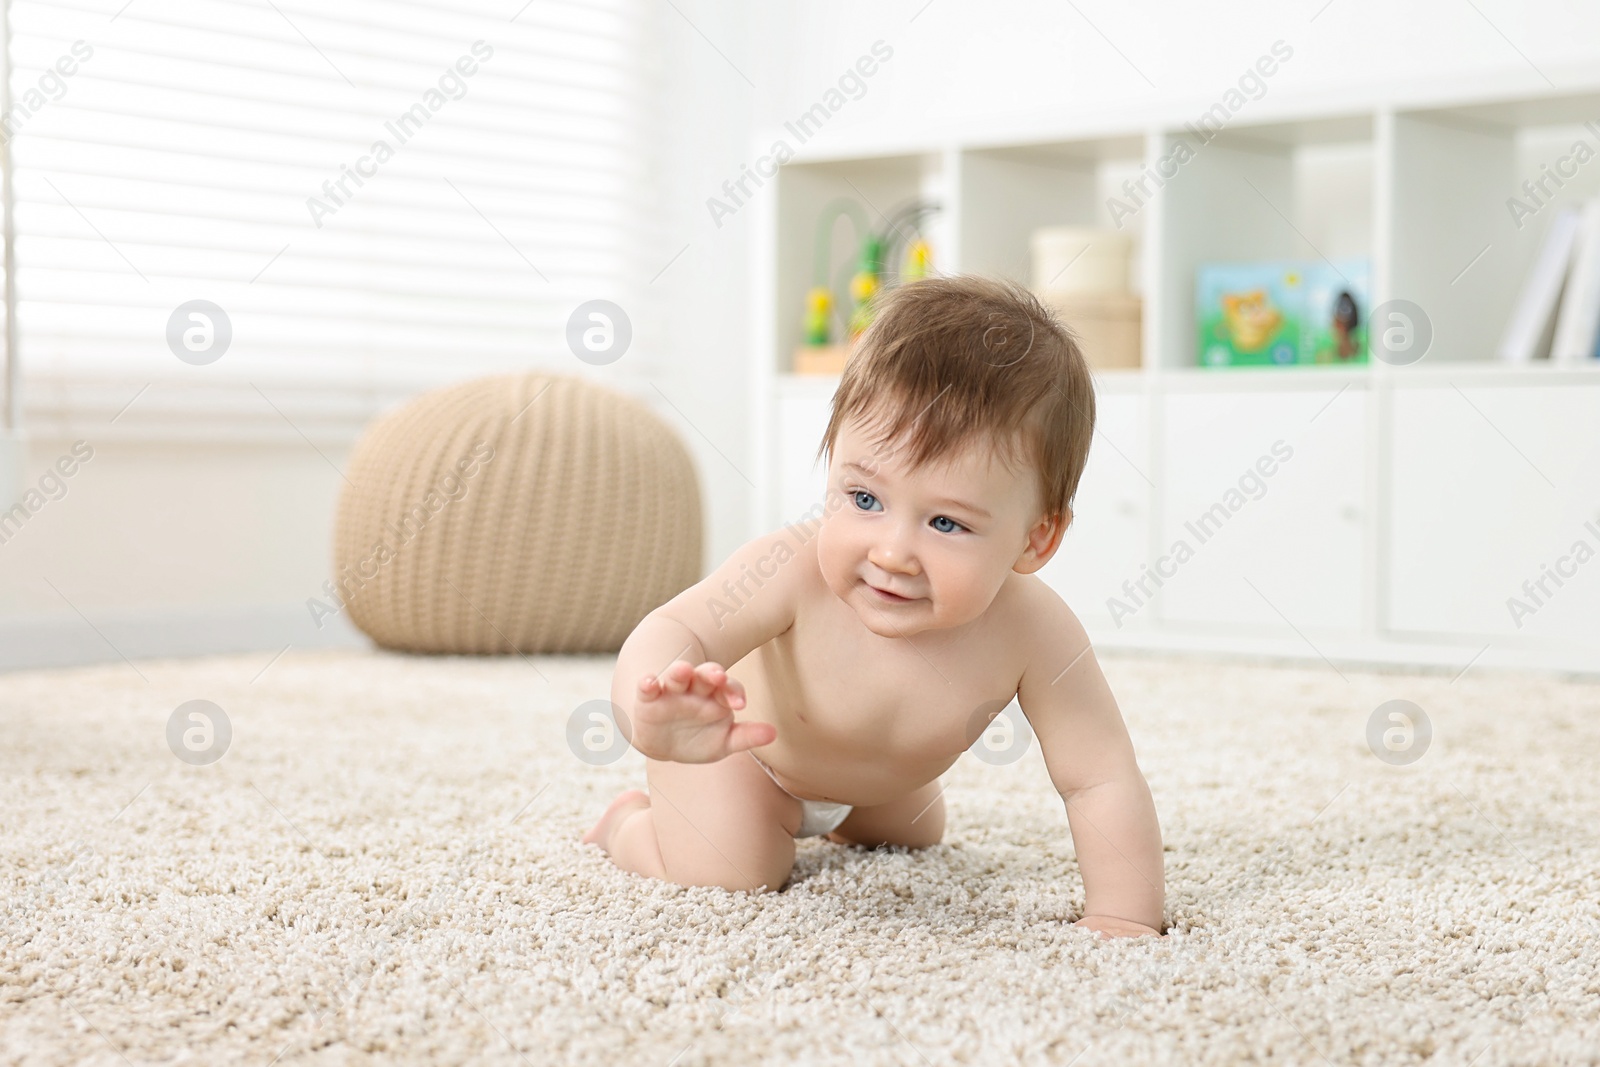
(820, 681)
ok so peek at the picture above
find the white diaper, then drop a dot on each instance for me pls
(817, 817)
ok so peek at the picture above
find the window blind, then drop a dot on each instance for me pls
(367, 189)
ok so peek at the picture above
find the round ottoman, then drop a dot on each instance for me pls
(524, 513)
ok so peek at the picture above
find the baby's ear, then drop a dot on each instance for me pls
(1043, 540)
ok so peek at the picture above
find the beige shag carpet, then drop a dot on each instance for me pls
(384, 867)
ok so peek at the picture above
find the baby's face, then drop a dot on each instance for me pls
(943, 537)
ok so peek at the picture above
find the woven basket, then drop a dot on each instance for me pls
(525, 513)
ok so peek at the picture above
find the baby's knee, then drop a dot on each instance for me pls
(734, 862)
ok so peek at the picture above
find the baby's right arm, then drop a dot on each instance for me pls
(671, 687)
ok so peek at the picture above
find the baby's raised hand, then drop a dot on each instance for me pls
(685, 714)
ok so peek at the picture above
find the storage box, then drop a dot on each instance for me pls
(1108, 326)
(1080, 259)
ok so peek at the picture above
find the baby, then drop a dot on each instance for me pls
(820, 681)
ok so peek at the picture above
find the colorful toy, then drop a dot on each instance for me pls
(918, 261)
(864, 284)
(819, 306)
(871, 274)
(819, 300)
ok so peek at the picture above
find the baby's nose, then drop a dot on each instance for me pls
(893, 554)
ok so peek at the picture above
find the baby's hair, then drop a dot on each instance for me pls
(964, 360)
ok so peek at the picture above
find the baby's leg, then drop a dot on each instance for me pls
(915, 820)
(725, 824)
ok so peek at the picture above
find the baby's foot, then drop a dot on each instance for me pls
(624, 805)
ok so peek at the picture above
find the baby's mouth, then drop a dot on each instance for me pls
(888, 597)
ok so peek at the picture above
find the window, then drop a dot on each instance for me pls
(368, 190)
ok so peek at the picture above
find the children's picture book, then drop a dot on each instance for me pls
(1283, 312)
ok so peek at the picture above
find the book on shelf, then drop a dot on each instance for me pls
(1557, 313)
(1530, 329)
(1578, 322)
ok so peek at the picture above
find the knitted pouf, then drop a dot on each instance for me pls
(524, 513)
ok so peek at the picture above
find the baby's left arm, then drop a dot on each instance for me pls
(1091, 763)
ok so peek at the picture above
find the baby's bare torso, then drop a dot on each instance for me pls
(864, 719)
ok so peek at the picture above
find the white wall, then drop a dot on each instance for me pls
(976, 66)
(189, 533)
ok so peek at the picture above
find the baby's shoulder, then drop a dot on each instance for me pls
(792, 540)
(1028, 607)
(787, 556)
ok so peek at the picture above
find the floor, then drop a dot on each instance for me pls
(375, 859)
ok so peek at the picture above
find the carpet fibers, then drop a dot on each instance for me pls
(384, 867)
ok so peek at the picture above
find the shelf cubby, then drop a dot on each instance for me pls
(1454, 245)
(879, 186)
(1007, 193)
(1291, 190)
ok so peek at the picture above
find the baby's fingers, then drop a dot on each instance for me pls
(711, 681)
(672, 679)
(745, 735)
(676, 677)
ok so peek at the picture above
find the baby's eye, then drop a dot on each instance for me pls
(858, 494)
(945, 518)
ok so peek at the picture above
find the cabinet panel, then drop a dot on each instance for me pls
(1109, 535)
(1262, 509)
(1494, 487)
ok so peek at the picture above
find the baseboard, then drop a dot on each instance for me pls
(63, 641)
(67, 640)
(1392, 654)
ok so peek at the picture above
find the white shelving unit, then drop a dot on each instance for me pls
(1418, 500)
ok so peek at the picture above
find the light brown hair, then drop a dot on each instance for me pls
(967, 360)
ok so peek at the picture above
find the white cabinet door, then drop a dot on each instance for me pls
(1495, 498)
(1262, 494)
(1109, 535)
